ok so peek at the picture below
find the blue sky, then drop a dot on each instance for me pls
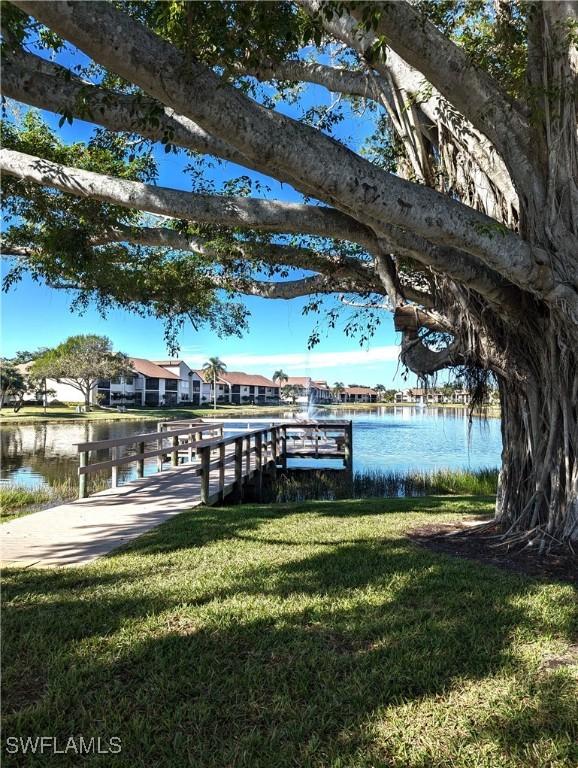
(34, 315)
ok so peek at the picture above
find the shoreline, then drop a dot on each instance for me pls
(65, 415)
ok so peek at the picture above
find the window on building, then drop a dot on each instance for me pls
(129, 380)
(103, 384)
(171, 385)
(152, 384)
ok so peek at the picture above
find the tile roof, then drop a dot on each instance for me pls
(360, 391)
(240, 378)
(299, 381)
(201, 374)
(150, 369)
(306, 382)
(247, 379)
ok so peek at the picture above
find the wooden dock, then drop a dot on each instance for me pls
(205, 466)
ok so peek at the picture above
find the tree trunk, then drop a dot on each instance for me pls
(538, 483)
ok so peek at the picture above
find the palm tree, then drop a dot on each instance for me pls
(280, 376)
(290, 390)
(381, 389)
(338, 388)
(213, 369)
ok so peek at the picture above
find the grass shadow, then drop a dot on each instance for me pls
(277, 638)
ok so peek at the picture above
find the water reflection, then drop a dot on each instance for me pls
(395, 438)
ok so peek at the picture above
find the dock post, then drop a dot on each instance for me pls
(248, 456)
(175, 452)
(205, 473)
(259, 450)
(284, 448)
(239, 467)
(348, 451)
(83, 461)
(159, 446)
(114, 452)
(317, 442)
(191, 437)
(259, 466)
(140, 462)
(222, 471)
(272, 463)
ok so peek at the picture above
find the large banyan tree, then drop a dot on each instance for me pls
(458, 211)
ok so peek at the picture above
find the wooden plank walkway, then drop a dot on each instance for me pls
(79, 532)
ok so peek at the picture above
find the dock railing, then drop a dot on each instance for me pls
(238, 459)
(167, 443)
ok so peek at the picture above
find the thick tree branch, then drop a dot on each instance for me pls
(265, 215)
(424, 361)
(447, 67)
(254, 213)
(460, 267)
(335, 79)
(298, 154)
(435, 109)
(290, 289)
(329, 264)
(43, 84)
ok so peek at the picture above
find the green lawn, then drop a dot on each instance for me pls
(17, 500)
(294, 635)
(66, 413)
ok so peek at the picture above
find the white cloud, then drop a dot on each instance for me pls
(302, 362)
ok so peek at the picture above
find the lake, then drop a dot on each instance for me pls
(394, 438)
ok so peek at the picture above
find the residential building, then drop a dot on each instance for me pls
(428, 396)
(358, 394)
(461, 397)
(310, 391)
(323, 393)
(250, 388)
(151, 384)
(241, 388)
(189, 387)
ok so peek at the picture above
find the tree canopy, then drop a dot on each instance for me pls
(431, 153)
(12, 381)
(81, 361)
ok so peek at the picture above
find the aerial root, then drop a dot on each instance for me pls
(537, 538)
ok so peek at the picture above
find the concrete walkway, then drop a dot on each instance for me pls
(79, 532)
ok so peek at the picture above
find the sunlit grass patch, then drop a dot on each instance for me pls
(17, 499)
(375, 483)
(309, 634)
